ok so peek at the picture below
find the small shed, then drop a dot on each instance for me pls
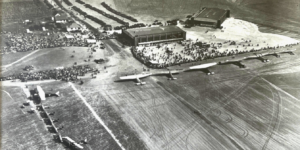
(91, 41)
(69, 36)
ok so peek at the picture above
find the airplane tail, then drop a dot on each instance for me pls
(57, 93)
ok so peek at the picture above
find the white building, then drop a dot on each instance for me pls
(74, 27)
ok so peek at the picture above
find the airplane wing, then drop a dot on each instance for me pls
(251, 57)
(134, 77)
(231, 61)
(287, 51)
(203, 66)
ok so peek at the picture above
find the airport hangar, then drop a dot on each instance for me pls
(210, 17)
(150, 35)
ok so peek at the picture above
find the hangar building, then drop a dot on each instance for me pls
(149, 35)
(210, 17)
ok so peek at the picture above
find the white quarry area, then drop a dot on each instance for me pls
(245, 34)
(236, 29)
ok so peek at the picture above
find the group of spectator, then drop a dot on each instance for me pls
(22, 42)
(168, 54)
(64, 74)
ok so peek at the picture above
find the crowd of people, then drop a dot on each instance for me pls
(21, 42)
(64, 74)
(168, 54)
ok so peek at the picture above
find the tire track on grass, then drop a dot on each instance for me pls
(96, 116)
(275, 121)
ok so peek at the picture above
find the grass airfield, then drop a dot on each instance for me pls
(252, 108)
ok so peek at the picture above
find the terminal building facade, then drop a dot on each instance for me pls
(209, 17)
(150, 35)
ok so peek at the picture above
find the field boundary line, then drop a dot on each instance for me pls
(96, 116)
(8, 65)
(8, 94)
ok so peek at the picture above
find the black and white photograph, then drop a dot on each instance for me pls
(150, 74)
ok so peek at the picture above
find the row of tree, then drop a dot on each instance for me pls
(118, 13)
(106, 15)
(102, 23)
(80, 2)
(138, 25)
(48, 4)
(58, 3)
(68, 2)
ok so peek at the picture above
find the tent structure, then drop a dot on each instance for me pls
(41, 93)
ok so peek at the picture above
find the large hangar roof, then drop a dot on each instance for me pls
(210, 14)
(153, 30)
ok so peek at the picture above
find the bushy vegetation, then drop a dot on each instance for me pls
(106, 15)
(68, 2)
(80, 2)
(138, 25)
(48, 4)
(118, 13)
(102, 23)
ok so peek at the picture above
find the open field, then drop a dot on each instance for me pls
(12, 57)
(54, 57)
(234, 109)
(20, 129)
(16, 10)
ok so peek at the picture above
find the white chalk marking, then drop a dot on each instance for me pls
(8, 94)
(20, 59)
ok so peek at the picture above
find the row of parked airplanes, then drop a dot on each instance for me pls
(204, 67)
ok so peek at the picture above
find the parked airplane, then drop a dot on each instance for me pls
(257, 56)
(277, 54)
(52, 94)
(204, 67)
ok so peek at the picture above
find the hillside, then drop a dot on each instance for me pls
(275, 13)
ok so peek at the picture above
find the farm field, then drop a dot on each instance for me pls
(16, 10)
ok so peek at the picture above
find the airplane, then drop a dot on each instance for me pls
(238, 61)
(277, 54)
(257, 56)
(52, 94)
(136, 77)
(203, 67)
